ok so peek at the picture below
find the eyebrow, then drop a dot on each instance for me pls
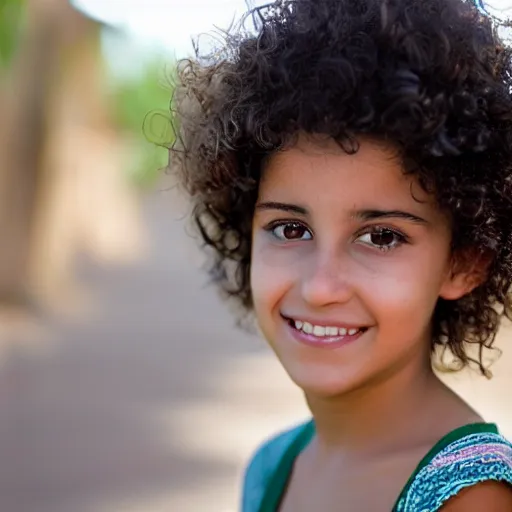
(364, 215)
(285, 207)
(386, 214)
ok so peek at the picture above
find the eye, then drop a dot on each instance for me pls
(287, 231)
(383, 239)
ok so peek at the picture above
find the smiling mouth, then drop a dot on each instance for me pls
(324, 331)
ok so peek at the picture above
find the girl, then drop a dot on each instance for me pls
(350, 169)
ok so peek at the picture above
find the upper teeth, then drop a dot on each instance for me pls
(320, 330)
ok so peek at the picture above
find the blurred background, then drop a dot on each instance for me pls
(124, 383)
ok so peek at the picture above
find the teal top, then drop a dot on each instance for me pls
(464, 457)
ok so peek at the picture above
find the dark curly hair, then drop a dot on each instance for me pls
(432, 76)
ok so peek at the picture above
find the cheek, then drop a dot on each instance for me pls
(271, 276)
(404, 294)
(397, 297)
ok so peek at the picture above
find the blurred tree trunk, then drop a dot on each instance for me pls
(52, 28)
(54, 117)
(24, 89)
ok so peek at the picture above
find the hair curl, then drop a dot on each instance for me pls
(432, 76)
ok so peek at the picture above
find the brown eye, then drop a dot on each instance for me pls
(291, 231)
(383, 239)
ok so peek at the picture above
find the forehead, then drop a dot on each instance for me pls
(318, 170)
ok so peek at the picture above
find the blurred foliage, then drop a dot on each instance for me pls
(11, 16)
(141, 106)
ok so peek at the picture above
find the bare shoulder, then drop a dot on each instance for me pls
(491, 496)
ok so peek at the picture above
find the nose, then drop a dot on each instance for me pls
(327, 280)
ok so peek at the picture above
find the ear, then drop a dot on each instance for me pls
(469, 269)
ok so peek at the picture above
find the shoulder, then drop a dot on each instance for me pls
(474, 468)
(263, 463)
(491, 496)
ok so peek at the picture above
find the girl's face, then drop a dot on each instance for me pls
(349, 259)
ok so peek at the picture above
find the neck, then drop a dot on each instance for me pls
(379, 417)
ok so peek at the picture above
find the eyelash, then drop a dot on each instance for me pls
(401, 238)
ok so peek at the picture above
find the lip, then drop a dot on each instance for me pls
(324, 342)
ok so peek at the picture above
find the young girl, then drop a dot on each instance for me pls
(350, 166)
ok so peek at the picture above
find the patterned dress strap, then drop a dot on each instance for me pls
(467, 461)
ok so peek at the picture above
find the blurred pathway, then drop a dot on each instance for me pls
(155, 402)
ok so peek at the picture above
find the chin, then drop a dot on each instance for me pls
(324, 383)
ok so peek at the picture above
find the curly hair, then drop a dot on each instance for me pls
(432, 76)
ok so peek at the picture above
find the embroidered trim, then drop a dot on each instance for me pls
(473, 459)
